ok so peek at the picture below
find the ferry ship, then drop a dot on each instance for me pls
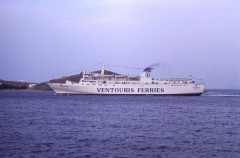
(116, 84)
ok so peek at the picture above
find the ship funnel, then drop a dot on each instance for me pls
(148, 69)
(151, 67)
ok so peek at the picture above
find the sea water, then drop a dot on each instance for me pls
(41, 124)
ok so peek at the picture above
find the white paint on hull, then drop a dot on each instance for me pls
(92, 83)
(126, 89)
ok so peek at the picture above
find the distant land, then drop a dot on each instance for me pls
(15, 84)
(20, 85)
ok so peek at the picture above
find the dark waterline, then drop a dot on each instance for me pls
(40, 124)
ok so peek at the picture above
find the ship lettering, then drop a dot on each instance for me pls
(130, 90)
(150, 90)
(116, 90)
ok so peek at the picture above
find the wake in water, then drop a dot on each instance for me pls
(222, 93)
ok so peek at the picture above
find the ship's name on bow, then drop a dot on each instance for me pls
(130, 90)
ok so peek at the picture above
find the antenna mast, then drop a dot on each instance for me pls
(102, 69)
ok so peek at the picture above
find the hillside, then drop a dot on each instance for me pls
(5, 85)
(15, 85)
(73, 78)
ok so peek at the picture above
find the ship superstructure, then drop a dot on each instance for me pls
(116, 84)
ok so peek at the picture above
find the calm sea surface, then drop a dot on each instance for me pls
(41, 124)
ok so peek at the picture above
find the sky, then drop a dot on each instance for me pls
(186, 37)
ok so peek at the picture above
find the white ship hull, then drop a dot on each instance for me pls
(116, 84)
(128, 89)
